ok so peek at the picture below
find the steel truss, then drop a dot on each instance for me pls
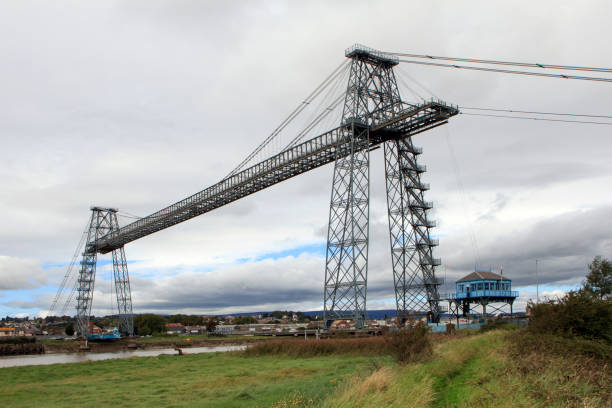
(316, 152)
(103, 222)
(346, 266)
(371, 97)
(496, 305)
(416, 286)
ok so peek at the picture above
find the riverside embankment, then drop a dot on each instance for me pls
(61, 358)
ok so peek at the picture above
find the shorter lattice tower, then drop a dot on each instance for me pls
(103, 223)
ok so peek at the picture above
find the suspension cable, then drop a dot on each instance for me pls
(508, 71)
(538, 113)
(316, 121)
(318, 118)
(506, 63)
(69, 270)
(128, 215)
(330, 78)
(70, 297)
(463, 195)
(534, 118)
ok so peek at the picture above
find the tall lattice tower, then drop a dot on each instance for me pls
(103, 222)
(372, 101)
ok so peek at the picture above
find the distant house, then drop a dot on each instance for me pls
(175, 328)
(197, 329)
(377, 323)
(224, 329)
(7, 331)
(340, 325)
(93, 329)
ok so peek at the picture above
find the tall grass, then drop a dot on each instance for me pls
(404, 345)
(311, 348)
(570, 372)
(409, 345)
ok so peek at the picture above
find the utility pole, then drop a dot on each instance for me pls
(537, 284)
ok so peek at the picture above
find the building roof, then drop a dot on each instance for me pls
(482, 276)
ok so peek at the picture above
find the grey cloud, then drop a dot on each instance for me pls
(18, 273)
(564, 245)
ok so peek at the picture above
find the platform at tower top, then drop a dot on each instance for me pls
(370, 54)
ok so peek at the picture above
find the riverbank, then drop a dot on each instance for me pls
(67, 358)
(496, 368)
(148, 343)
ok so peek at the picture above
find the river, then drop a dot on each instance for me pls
(60, 358)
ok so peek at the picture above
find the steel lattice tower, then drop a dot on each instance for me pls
(103, 222)
(373, 98)
(416, 286)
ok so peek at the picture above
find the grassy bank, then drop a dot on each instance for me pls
(497, 368)
(505, 368)
(206, 380)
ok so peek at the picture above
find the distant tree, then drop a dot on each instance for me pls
(586, 312)
(599, 280)
(146, 324)
(244, 320)
(69, 330)
(278, 314)
(211, 323)
(186, 320)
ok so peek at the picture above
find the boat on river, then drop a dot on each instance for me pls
(108, 336)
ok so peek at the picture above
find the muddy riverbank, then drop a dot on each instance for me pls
(151, 343)
(62, 358)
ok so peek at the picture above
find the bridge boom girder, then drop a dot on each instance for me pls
(316, 152)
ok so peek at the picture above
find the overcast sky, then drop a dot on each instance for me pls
(137, 104)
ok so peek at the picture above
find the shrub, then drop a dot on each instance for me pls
(577, 314)
(527, 342)
(18, 340)
(409, 344)
(498, 324)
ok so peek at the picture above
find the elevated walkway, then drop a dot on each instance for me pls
(296, 160)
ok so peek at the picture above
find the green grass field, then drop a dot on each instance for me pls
(476, 370)
(484, 370)
(197, 380)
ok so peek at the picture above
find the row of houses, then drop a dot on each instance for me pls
(178, 328)
(16, 332)
(18, 329)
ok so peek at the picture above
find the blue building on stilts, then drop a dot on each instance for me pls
(484, 288)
